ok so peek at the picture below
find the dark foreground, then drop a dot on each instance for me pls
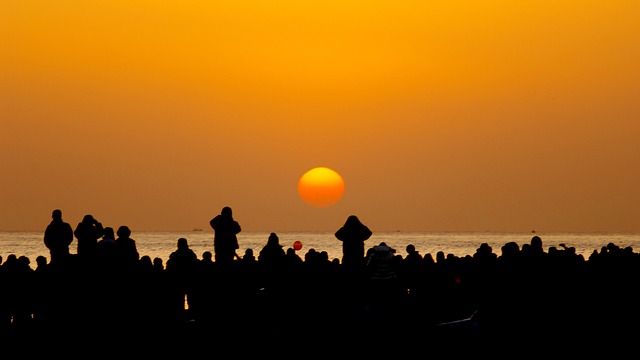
(514, 305)
(516, 335)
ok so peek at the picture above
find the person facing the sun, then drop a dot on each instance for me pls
(57, 237)
(225, 241)
(353, 234)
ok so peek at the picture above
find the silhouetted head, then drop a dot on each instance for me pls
(88, 219)
(56, 214)
(273, 239)
(123, 231)
(536, 242)
(183, 244)
(226, 211)
(484, 248)
(145, 261)
(41, 260)
(24, 260)
(352, 220)
(428, 258)
(410, 249)
(510, 248)
(108, 233)
(207, 256)
(383, 249)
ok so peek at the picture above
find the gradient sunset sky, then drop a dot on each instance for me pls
(439, 115)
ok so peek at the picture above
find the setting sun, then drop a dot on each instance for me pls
(321, 187)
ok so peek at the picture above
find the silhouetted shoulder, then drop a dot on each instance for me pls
(353, 229)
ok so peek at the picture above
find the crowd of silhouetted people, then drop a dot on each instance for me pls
(108, 290)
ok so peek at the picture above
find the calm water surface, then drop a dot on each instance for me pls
(161, 244)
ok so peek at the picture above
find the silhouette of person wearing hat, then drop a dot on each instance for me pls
(353, 234)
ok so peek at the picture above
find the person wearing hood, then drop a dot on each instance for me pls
(272, 255)
(353, 234)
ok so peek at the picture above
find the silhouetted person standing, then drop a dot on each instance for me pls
(126, 250)
(353, 234)
(88, 232)
(106, 252)
(272, 261)
(384, 289)
(182, 268)
(272, 256)
(225, 241)
(42, 281)
(58, 237)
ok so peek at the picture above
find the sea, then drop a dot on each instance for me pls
(161, 243)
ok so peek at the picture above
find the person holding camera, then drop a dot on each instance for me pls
(88, 232)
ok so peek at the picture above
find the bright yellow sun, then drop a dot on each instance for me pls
(321, 187)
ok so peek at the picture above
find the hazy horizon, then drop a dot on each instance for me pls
(440, 116)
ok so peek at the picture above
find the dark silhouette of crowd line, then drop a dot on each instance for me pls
(108, 290)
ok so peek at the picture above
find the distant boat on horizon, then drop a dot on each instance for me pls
(197, 229)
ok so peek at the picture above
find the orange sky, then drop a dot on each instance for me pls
(440, 115)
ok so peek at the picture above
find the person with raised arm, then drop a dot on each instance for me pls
(225, 240)
(88, 232)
